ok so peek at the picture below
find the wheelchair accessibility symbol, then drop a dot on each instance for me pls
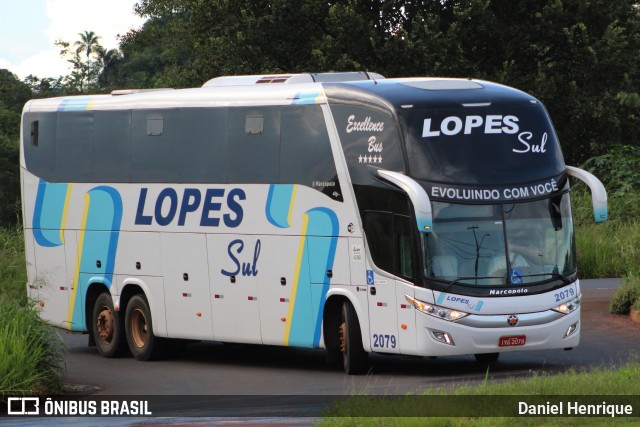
(370, 280)
(516, 276)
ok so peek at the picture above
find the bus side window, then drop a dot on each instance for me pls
(254, 145)
(402, 234)
(35, 125)
(378, 227)
(306, 157)
(389, 240)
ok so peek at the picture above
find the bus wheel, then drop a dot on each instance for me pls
(354, 359)
(139, 327)
(486, 358)
(107, 329)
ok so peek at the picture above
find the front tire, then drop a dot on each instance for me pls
(139, 329)
(354, 359)
(107, 328)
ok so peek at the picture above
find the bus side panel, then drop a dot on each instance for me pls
(47, 222)
(383, 321)
(234, 286)
(139, 254)
(51, 282)
(186, 286)
(407, 334)
(30, 257)
(279, 275)
(71, 254)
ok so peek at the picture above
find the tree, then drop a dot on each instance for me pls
(9, 181)
(47, 87)
(13, 95)
(85, 59)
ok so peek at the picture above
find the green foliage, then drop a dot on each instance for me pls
(610, 249)
(619, 170)
(9, 181)
(627, 295)
(13, 95)
(13, 276)
(607, 250)
(31, 353)
(86, 59)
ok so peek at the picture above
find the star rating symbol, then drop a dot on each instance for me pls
(369, 159)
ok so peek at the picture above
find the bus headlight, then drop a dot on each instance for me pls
(436, 311)
(568, 307)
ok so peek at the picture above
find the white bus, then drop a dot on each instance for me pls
(415, 216)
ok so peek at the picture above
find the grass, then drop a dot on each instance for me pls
(609, 249)
(13, 275)
(31, 352)
(500, 398)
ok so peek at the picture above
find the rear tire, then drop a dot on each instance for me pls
(354, 359)
(107, 327)
(139, 328)
(487, 358)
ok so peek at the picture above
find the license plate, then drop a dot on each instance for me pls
(512, 341)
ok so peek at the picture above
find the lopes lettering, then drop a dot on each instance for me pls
(169, 204)
(453, 125)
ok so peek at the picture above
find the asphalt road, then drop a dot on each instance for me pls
(212, 368)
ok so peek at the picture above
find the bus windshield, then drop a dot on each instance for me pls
(513, 244)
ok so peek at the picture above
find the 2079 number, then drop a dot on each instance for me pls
(384, 341)
(564, 294)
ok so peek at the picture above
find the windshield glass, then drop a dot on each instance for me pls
(501, 244)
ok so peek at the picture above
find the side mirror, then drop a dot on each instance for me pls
(417, 194)
(598, 192)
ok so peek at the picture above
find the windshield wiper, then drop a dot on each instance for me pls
(562, 277)
(554, 275)
(457, 281)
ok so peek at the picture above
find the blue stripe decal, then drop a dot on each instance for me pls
(278, 204)
(305, 98)
(48, 213)
(100, 244)
(313, 283)
(75, 104)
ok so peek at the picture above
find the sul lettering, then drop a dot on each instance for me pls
(247, 268)
(525, 139)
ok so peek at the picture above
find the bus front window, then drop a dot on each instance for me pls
(502, 244)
